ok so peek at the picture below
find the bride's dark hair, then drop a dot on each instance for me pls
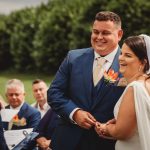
(138, 47)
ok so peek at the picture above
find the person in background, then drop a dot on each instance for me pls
(46, 129)
(3, 145)
(131, 126)
(27, 117)
(80, 93)
(39, 89)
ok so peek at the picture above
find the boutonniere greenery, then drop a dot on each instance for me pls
(111, 77)
(16, 121)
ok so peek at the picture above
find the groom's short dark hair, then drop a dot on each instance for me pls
(108, 16)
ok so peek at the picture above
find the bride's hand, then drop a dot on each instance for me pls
(101, 130)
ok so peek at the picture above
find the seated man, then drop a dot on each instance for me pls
(27, 117)
(39, 89)
(45, 129)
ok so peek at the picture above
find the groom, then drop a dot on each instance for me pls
(77, 98)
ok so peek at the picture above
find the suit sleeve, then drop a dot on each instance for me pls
(58, 93)
(47, 124)
(34, 119)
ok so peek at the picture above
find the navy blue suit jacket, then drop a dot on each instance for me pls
(45, 128)
(31, 115)
(72, 88)
(3, 145)
(47, 124)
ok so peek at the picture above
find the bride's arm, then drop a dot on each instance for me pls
(126, 121)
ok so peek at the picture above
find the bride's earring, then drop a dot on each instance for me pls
(140, 68)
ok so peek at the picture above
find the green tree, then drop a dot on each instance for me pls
(134, 15)
(5, 55)
(22, 29)
(37, 39)
(61, 30)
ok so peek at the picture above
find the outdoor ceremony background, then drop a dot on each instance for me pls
(35, 40)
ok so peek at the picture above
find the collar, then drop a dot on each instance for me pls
(109, 57)
(45, 106)
(17, 108)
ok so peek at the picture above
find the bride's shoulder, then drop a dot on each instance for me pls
(144, 80)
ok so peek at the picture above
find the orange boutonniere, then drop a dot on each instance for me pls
(111, 76)
(16, 121)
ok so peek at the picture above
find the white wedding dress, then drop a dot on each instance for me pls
(141, 138)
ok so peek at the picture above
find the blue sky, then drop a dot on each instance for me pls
(7, 6)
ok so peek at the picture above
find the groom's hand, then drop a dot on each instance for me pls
(84, 119)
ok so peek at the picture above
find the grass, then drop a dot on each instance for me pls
(27, 80)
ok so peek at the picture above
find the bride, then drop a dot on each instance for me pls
(131, 126)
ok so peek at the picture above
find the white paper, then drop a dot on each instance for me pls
(8, 114)
(13, 137)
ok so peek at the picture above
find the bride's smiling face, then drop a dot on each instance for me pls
(129, 62)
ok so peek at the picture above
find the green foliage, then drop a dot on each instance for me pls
(60, 31)
(37, 39)
(5, 55)
(51, 39)
(22, 32)
(134, 15)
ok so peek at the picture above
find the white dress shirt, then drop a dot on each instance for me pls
(17, 108)
(43, 111)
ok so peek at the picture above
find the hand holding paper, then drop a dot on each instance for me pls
(8, 114)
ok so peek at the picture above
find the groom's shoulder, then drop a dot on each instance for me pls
(79, 52)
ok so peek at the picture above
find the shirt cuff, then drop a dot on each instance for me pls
(71, 115)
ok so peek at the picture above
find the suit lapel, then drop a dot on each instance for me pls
(102, 87)
(22, 111)
(88, 72)
(115, 64)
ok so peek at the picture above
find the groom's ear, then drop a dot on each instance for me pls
(120, 34)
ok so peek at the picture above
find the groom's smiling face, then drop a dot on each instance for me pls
(105, 36)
